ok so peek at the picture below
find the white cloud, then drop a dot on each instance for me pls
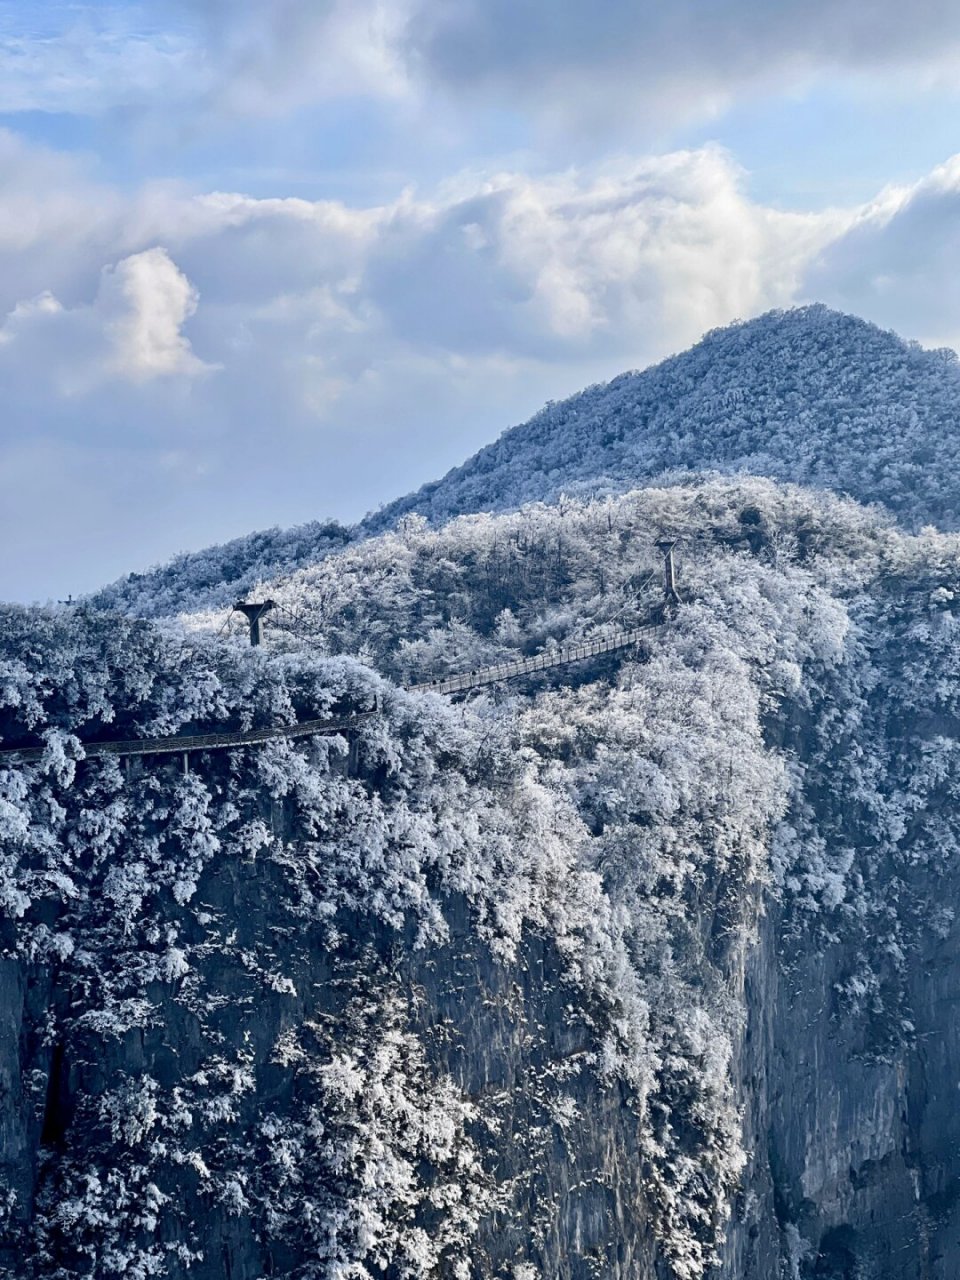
(308, 305)
(271, 58)
(634, 260)
(130, 331)
(44, 304)
(148, 299)
(240, 57)
(359, 351)
(92, 58)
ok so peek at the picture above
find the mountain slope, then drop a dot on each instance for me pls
(808, 395)
(483, 992)
(223, 573)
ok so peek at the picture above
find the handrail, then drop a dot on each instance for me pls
(307, 728)
(539, 662)
(197, 741)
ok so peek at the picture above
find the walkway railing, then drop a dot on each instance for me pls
(198, 741)
(461, 683)
(540, 662)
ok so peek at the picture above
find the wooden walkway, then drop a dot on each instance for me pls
(461, 683)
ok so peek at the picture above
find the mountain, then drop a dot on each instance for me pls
(222, 574)
(809, 396)
(641, 967)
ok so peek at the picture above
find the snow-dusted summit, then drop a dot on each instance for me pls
(808, 395)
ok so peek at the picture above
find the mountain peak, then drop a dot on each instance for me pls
(809, 395)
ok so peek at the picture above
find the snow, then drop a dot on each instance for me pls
(632, 815)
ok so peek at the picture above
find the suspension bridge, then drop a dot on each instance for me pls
(464, 682)
(501, 671)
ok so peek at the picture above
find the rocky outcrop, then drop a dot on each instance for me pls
(853, 1170)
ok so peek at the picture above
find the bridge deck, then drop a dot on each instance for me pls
(461, 683)
(540, 662)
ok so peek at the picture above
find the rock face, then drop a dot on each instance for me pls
(560, 1198)
(854, 1167)
(643, 970)
(849, 1086)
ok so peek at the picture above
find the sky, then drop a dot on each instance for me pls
(268, 261)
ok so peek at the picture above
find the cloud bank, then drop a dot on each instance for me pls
(224, 362)
(899, 262)
(560, 60)
(680, 59)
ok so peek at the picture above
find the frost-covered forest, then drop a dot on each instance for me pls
(461, 992)
(808, 395)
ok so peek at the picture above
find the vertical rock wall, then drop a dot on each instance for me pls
(854, 1169)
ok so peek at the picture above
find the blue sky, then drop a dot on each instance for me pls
(266, 262)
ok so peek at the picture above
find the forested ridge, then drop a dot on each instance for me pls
(617, 970)
(810, 396)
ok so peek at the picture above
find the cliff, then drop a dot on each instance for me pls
(640, 969)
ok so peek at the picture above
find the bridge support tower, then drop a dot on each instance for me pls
(670, 592)
(253, 612)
